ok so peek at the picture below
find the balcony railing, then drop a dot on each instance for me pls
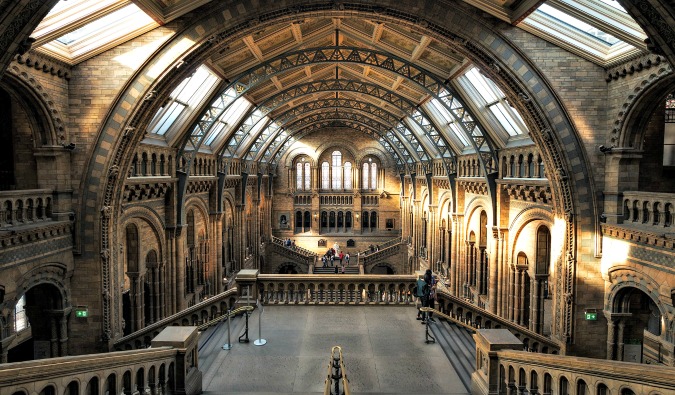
(650, 209)
(25, 206)
(505, 371)
(336, 289)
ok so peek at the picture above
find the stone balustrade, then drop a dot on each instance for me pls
(502, 370)
(464, 311)
(339, 289)
(25, 206)
(169, 367)
(298, 250)
(649, 209)
(196, 315)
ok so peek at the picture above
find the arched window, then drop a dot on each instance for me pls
(365, 173)
(299, 176)
(303, 176)
(364, 219)
(337, 169)
(340, 219)
(325, 175)
(543, 250)
(373, 220)
(348, 219)
(373, 176)
(324, 219)
(307, 223)
(298, 219)
(348, 175)
(331, 219)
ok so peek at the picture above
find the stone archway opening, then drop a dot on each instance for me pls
(635, 327)
(382, 268)
(42, 321)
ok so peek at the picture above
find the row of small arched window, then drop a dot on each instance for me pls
(19, 211)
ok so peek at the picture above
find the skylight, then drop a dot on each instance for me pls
(577, 24)
(598, 30)
(443, 117)
(186, 96)
(76, 30)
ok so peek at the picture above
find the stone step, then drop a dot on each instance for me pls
(458, 345)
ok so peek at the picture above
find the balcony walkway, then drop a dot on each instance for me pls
(383, 349)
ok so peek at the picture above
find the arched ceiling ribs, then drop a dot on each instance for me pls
(242, 139)
(437, 146)
(434, 86)
(252, 147)
(279, 147)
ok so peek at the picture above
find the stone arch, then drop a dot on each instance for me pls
(519, 83)
(199, 206)
(52, 273)
(474, 206)
(153, 219)
(637, 109)
(523, 218)
(34, 97)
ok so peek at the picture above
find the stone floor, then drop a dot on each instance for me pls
(383, 349)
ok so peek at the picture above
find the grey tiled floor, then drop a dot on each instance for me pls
(383, 348)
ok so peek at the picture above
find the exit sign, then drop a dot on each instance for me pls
(591, 316)
(81, 312)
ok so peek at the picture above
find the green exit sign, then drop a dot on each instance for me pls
(82, 312)
(591, 316)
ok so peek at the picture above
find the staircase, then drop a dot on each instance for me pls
(331, 270)
(459, 347)
(294, 253)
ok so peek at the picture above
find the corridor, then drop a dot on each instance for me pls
(383, 349)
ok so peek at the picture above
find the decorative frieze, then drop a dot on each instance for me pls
(145, 191)
(477, 187)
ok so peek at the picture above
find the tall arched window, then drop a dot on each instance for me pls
(373, 176)
(325, 175)
(348, 175)
(308, 177)
(337, 169)
(365, 173)
(303, 176)
(299, 176)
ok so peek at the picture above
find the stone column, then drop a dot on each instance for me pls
(54, 340)
(611, 325)
(516, 297)
(179, 271)
(432, 234)
(619, 339)
(218, 272)
(535, 301)
(63, 333)
(521, 299)
(239, 236)
(493, 269)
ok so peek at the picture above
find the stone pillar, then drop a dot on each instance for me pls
(521, 299)
(180, 271)
(432, 243)
(516, 297)
(493, 269)
(535, 300)
(512, 294)
(63, 333)
(150, 299)
(218, 272)
(611, 325)
(619, 339)
(54, 340)
(485, 379)
(239, 244)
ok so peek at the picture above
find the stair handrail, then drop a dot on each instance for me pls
(449, 318)
(302, 251)
(161, 324)
(382, 246)
(336, 374)
(442, 292)
(232, 313)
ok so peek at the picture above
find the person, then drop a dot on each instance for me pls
(342, 255)
(419, 291)
(347, 258)
(426, 294)
(336, 268)
(283, 221)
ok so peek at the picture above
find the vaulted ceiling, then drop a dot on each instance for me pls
(419, 98)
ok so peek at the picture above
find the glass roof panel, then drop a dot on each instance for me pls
(230, 118)
(447, 121)
(577, 24)
(101, 23)
(615, 4)
(187, 96)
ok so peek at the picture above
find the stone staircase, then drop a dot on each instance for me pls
(331, 270)
(458, 345)
(293, 253)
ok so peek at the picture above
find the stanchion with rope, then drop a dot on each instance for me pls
(428, 337)
(228, 345)
(245, 334)
(260, 341)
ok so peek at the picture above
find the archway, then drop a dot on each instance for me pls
(637, 319)
(47, 319)
(382, 268)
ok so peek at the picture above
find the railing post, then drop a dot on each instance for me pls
(188, 377)
(485, 379)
